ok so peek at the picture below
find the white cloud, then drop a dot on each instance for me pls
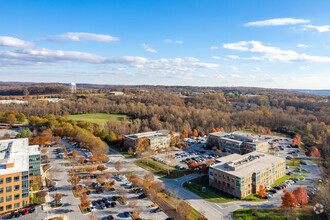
(80, 36)
(304, 67)
(274, 53)
(172, 41)
(214, 48)
(6, 41)
(219, 76)
(253, 58)
(303, 45)
(149, 49)
(234, 57)
(257, 69)
(216, 58)
(323, 28)
(277, 22)
(235, 75)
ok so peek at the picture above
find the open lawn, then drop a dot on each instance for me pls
(254, 198)
(161, 169)
(286, 177)
(98, 118)
(121, 150)
(274, 214)
(294, 163)
(210, 193)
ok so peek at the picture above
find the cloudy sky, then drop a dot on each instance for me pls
(278, 44)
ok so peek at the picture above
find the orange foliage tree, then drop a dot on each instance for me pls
(75, 153)
(269, 132)
(301, 196)
(213, 130)
(185, 146)
(160, 150)
(315, 152)
(184, 134)
(118, 166)
(289, 200)
(195, 133)
(262, 191)
(82, 159)
(85, 202)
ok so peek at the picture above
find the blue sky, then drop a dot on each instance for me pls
(276, 44)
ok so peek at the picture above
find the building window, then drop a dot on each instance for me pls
(16, 196)
(8, 189)
(16, 187)
(16, 205)
(8, 198)
(1, 181)
(1, 199)
(24, 195)
(227, 177)
(233, 180)
(8, 180)
(1, 190)
(24, 203)
(8, 207)
(1, 208)
(16, 178)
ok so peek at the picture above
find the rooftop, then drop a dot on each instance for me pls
(237, 137)
(16, 151)
(150, 134)
(243, 165)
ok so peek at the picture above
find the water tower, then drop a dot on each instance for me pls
(73, 87)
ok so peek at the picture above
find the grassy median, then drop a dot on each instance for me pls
(285, 178)
(210, 194)
(161, 169)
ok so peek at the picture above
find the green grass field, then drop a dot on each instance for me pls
(98, 118)
(254, 198)
(210, 194)
(286, 177)
(161, 169)
(294, 163)
(274, 214)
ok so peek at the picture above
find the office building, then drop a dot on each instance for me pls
(157, 139)
(242, 175)
(235, 143)
(19, 163)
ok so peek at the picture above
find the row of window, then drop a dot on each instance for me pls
(9, 189)
(16, 205)
(9, 179)
(9, 198)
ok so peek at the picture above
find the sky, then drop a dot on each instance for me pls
(273, 44)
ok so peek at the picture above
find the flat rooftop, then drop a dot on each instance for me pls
(243, 165)
(150, 134)
(16, 151)
(237, 137)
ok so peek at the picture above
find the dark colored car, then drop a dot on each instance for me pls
(114, 198)
(110, 217)
(105, 200)
(94, 203)
(126, 214)
(32, 209)
(113, 204)
(142, 196)
(88, 192)
(272, 190)
(52, 189)
(158, 210)
(107, 204)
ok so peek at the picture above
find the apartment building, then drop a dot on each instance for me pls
(19, 163)
(157, 139)
(242, 175)
(235, 143)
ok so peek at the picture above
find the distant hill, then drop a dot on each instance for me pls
(325, 92)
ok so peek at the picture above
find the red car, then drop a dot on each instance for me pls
(52, 189)
(25, 212)
(110, 217)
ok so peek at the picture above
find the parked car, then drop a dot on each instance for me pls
(32, 209)
(52, 189)
(158, 210)
(114, 198)
(110, 217)
(113, 204)
(126, 214)
(289, 173)
(107, 204)
(142, 196)
(25, 212)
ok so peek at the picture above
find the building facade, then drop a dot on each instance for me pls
(234, 143)
(242, 175)
(157, 139)
(19, 163)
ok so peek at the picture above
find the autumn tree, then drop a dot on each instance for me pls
(11, 119)
(315, 152)
(157, 186)
(100, 178)
(184, 209)
(122, 192)
(101, 167)
(85, 202)
(92, 158)
(103, 158)
(195, 133)
(184, 134)
(301, 196)
(213, 130)
(269, 132)
(159, 150)
(88, 181)
(75, 153)
(90, 169)
(57, 197)
(64, 149)
(141, 144)
(185, 146)
(262, 191)
(118, 166)
(82, 159)
(289, 200)
(71, 173)
(148, 179)
(75, 180)
(78, 189)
